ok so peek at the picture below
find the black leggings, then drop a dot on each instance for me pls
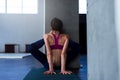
(73, 51)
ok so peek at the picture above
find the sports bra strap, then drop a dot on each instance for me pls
(56, 45)
(56, 38)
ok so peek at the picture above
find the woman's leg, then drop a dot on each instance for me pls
(73, 51)
(41, 57)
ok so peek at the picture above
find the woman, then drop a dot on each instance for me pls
(56, 47)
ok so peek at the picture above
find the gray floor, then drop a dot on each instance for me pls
(17, 69)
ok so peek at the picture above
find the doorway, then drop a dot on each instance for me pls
(83, 37)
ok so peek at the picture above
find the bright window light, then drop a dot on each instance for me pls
(19, 6)
(82, 6)
(14, 6)
(2, 6)
(30, 6)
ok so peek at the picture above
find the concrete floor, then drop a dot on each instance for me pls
(17, 69)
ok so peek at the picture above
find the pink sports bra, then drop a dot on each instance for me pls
(56, 45)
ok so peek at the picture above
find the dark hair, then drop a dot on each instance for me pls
(56, 24)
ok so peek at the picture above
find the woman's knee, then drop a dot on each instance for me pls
(31, 48)
(74, 45)
(36, 45)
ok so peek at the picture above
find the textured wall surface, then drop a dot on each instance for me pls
(102, 41)
(67, 11)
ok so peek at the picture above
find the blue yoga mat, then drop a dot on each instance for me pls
(37, 74)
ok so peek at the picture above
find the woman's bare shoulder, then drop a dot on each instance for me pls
(46, 35)
(65, 35)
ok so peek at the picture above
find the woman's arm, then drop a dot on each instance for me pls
(63, 57)
(49, 56)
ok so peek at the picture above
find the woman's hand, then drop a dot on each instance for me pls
(49, 72)
(66, 72)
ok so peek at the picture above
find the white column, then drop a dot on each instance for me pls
(117, 22)
(102, 42)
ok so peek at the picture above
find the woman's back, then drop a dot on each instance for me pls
(56, 43)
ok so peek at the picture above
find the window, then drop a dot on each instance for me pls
(2, 6)
(82, 6)
(19, 6)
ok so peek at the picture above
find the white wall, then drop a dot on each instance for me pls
(102, 41)
(22, 28)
